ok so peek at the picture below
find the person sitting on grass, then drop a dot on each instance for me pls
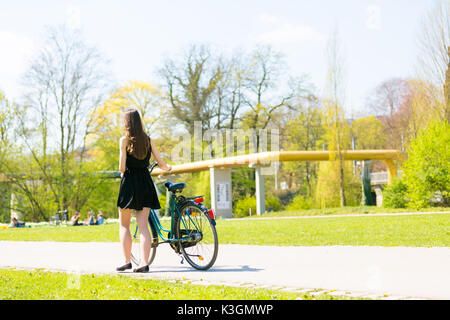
(100, 218)
(90, 221)
(75, 219)
(14, 223)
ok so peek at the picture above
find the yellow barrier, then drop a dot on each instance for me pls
(265, 158)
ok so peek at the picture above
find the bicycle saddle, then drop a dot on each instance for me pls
(172, 187)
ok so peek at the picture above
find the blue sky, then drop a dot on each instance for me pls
(378, 36)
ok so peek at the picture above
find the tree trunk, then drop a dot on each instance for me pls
(340, 160)
(447, 89)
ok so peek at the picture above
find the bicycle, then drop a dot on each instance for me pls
(192, 232)
(57, 220)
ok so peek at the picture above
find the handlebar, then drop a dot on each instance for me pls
(154, 164)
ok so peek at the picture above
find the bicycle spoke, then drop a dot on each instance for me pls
(200, 254)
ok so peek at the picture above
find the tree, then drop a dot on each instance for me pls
(143, 96)
(390, 102)
(304, 133)
(328, 185)
(369, 133)
(107, 123)
(336, 127)
(447, 84)
(261, 82)
(395, 194)
(425, 106)
(6, 118)
(434, 57)
(190, 85)
(269, 102)
(426, 172)
(229, 97)
(387, 97)
(64, 82)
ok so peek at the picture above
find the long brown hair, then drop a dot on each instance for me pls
(138, 140)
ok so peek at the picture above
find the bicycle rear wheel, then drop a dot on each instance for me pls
(136, 248)
(200, 251)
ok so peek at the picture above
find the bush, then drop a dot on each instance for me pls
(198, 184)
(285, 196)
(395, 195)
(327, 194)
(426, 173)
(273, 203)
(162, 202)
(242, 206)
(299, 203)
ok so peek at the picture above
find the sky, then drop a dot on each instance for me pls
(379, 38)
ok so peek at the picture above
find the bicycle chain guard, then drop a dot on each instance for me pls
(176, 245)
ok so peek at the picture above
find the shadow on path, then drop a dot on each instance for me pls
(163, 269)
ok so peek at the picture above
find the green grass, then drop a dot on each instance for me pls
(406, 230)
(349, 210)
(43, 285)
(409, 230)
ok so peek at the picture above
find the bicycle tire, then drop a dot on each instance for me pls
(192, 251)
(135, 246)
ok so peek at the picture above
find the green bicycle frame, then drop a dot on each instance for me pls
(173, 209)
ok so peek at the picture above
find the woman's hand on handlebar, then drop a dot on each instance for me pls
(166, 167)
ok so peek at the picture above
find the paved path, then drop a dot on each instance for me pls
(397, 271)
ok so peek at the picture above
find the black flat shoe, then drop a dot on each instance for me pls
(141, 269)
(124, 267)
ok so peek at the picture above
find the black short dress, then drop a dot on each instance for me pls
(136, 187)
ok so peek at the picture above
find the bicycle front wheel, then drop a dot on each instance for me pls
(136, 243)
(201, 245)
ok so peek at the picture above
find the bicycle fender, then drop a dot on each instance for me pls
(203, 208)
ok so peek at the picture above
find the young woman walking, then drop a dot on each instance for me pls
(137, 191)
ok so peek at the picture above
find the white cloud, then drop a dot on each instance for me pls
(15, 52)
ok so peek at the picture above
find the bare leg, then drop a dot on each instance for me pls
(124, 233)
(144, 235)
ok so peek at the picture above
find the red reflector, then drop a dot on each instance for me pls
(211, 214)
(198, 200)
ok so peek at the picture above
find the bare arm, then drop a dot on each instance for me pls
(161, 163)
(123, 155)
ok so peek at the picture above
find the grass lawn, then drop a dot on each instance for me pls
(406, 230)
(409, 230)
(42, 285)
(349, 210)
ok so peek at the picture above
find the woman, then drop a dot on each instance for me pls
(75, 219)
(137, 191)
(14, 223)
(100, 218)
(90, 221)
